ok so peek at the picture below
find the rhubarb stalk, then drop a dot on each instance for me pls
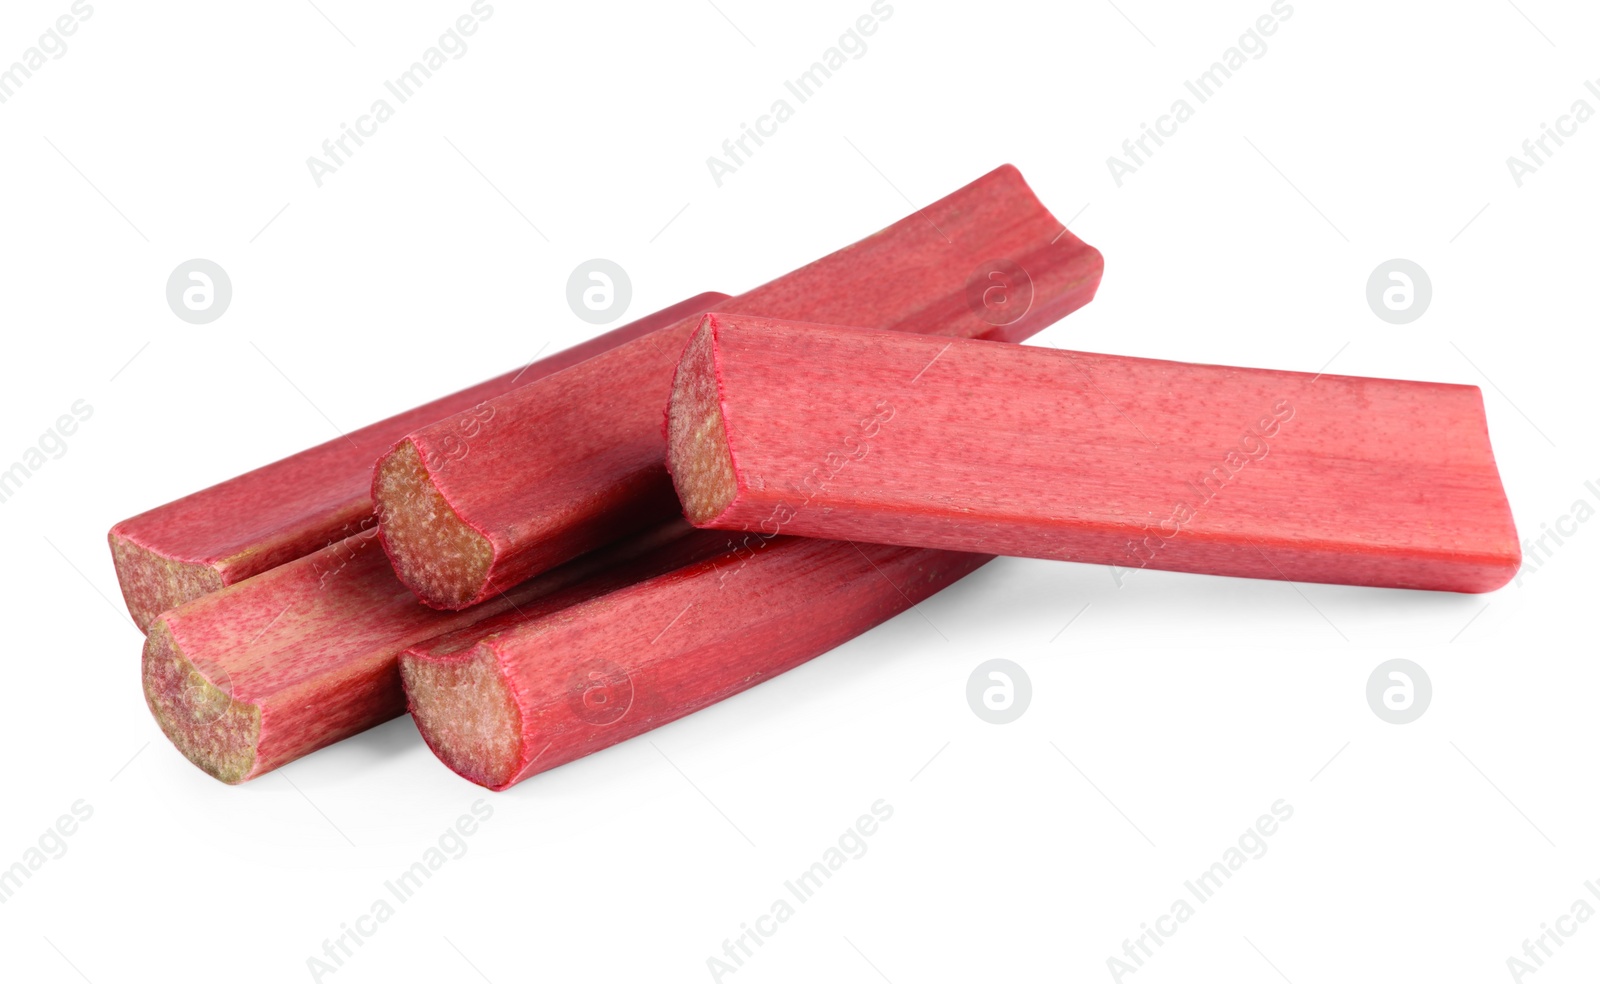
(307, 501)
(576, 459)
(255, 675)
(521, 694)
(853, 434)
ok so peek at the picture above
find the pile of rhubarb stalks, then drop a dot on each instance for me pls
(596, 544)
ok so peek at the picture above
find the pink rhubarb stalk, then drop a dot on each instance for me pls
(853, 434)
(307, 501)
(255, 675)
(576, 460)
(518, 695)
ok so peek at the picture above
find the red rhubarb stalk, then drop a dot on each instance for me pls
(852, 434)
(537, 692)
(303, 503)
(575, 460)
(255, 675)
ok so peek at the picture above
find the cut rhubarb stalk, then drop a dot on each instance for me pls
(844, 433)
(576, 460)
(303, 503)
(255, 675)
(540, 691)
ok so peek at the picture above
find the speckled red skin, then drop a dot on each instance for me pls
(1037, 452)
(303, 503)
(674, 644)
(576, 460)
(313, 644)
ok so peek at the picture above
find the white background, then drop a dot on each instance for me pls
(1169, 715)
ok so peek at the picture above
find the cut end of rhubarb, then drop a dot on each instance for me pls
(435, 553)
(698, 455)
(466, 713)
(152, 584)
(196, 711)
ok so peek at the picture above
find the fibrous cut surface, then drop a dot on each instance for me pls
(200, 718)
(699, 456)
(465, 710)
(430, 545)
